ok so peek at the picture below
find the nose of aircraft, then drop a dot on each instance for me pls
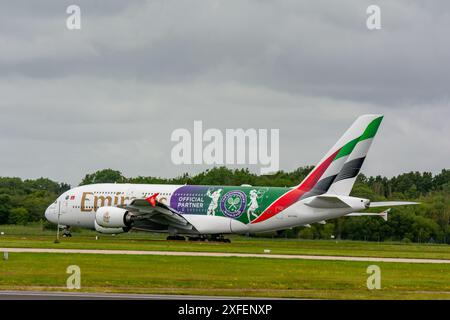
(50, 213)
(46, 213)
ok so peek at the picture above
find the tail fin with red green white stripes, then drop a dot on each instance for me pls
(336, 172)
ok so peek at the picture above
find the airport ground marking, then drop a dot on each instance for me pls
(225, 254)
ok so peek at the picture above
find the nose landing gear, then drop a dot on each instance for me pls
(66, 232)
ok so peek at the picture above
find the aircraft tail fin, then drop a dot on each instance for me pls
(336, 172)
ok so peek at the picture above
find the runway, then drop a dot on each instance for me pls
(49, 295)
(223, 254)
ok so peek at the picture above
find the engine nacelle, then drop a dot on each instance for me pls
(215, 224)
(112, 217)
(109, 230)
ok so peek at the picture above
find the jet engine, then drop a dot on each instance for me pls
(109, 230)
(112, 217)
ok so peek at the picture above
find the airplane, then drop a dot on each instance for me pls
(210, 212)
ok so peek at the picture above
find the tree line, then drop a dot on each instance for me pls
(25, 201)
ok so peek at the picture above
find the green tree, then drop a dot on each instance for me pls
(5, 207)
(103, 176)
(429, 221)
(306, 233)
(18, 216)
(327, 231)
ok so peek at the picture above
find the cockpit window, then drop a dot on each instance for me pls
(67, 197)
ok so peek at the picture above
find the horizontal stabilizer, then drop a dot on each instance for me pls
(383, 214)
(391, 204)
(325, 201)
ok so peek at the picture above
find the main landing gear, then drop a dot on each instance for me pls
(179, 238)
(219, 238)
(211, 238)
(203, 237)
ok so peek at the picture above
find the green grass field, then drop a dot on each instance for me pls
(256, 277)
(33, 237)
(246, 277)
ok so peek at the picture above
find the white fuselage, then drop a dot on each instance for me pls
(77, 207)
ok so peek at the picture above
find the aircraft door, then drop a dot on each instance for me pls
(64, 205)
(130, 194)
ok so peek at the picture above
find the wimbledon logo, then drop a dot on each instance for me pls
(233, 203)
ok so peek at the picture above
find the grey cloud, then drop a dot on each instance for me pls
(111, 93)
(319, 49)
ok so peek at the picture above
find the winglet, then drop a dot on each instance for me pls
(384, 214)
(152, 199)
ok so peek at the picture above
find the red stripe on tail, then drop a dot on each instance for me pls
(292, 196)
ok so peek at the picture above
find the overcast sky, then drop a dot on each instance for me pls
(110, 95)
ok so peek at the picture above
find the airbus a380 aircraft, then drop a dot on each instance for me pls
(212, 211)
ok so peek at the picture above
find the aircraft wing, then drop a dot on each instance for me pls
(150, 214)
(150, 209)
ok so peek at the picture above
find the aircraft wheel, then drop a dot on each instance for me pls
(180, 238)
